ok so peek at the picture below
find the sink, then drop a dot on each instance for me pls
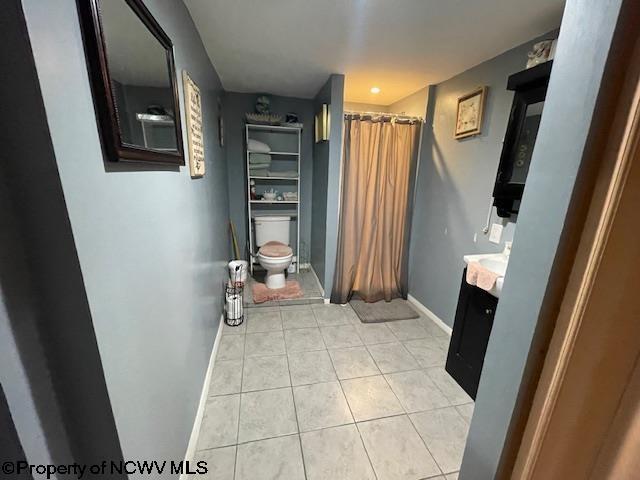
(496, 265)
(496, 262)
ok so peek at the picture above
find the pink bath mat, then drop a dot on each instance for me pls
(263, 294)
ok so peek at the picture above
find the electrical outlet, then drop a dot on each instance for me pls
(496, 233)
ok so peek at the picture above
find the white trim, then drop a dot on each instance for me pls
(432, 316)
(195, 431)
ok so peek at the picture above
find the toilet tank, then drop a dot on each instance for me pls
(272, 228)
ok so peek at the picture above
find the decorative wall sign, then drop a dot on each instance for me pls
(469, 115)
(195, 139)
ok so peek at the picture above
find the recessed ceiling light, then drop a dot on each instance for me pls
(375, 90)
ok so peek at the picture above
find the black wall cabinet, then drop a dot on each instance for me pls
(471, 331)
(530, 88)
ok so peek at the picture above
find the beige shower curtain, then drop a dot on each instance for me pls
(379, 159)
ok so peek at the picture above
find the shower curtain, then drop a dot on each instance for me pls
(378, 172)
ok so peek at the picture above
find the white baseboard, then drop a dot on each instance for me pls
(195, 431)
(437, 320)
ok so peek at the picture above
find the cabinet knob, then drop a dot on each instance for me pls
(488, 311)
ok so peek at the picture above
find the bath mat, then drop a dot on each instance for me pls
(396, 309)
(263, 294)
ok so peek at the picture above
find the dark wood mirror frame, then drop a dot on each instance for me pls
(530, 86)
(103, 97)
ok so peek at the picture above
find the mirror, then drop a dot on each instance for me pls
(133, 78)
(530, 87)
(525, 143)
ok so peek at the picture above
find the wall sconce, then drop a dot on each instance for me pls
(322, 124)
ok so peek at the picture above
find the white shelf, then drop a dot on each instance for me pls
(292, 154)
(273, 128)
(255, 208)
(295, 179)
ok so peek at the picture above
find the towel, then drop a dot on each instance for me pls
(257, 146)
(260, 159)
(285, 173)
(480, 276)
(259, 172)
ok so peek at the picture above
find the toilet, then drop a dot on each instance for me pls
(275, 254)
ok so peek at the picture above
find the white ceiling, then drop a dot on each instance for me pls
(289, 47)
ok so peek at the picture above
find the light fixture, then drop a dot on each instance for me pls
(375, 90)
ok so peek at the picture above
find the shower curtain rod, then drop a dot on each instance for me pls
(385, 114)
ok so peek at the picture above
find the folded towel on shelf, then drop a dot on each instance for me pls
(285, 173)
(257, 146)
(260, 159)
(259, 172)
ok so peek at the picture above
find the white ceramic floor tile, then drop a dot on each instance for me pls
(265, 414)
(226, 377)
(219, 426)
(370, 397)
(448, 386)
(303, 340)
(231, 347)
(261, 344)
(372, 333)
(311, 367)
(396, 450)
(433, 328)
(264, 322)
(427, 352)
(341, 336)
(261, 373)
(330, 315)
(452, 476)
(416, 391)
(466, 411)
(336, 454)
(353, 362)
(271, 459)
(321, 405)
(408, 329)
(392, 357)
(445, 433)
(298, 319)
(220, 463)
(237, 330)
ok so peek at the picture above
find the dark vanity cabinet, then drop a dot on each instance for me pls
(471, 330)
(530, 87)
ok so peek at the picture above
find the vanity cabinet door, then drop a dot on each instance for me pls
(471, 330)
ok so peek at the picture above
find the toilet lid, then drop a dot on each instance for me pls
(275, 249)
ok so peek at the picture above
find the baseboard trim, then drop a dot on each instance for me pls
(195, 431)
(437, 320)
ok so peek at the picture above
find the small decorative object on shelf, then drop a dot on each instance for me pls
(542, 52)
(263, 104)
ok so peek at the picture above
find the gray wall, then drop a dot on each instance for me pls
(152, 243)
(587, 27)
(326, 185)
(455, 182)
(235, 105)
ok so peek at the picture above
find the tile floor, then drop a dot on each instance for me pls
(309, 392)
(305, 277)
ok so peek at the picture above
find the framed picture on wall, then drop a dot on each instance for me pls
(469, 113)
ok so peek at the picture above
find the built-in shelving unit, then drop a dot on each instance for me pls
(282, 159)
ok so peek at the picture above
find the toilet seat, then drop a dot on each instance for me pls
(275, 250)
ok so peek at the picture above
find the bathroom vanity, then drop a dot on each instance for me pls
(473, 323)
